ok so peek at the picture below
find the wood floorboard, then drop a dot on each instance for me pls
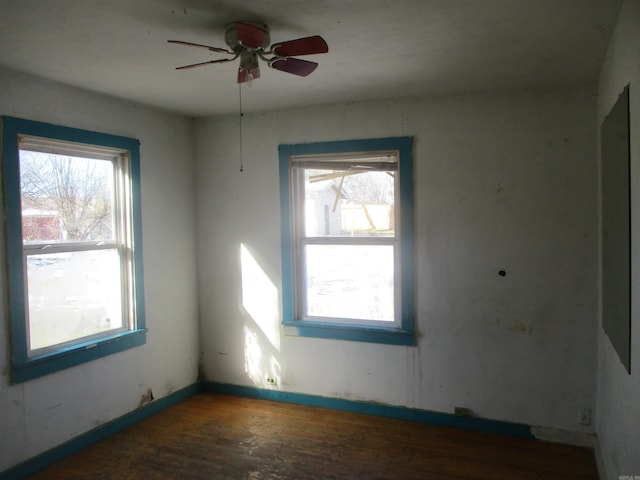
(223, 437)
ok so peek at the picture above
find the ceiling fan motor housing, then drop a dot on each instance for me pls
(231, 37)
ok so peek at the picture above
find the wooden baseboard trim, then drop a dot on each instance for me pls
(403, 413)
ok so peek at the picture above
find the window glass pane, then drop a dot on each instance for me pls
(73, 295)
(66, 199)
(350, 281)
(354, 203)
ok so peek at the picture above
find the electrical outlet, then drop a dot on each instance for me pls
(271, 381)
(585, 416)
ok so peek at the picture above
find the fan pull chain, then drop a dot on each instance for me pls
(240, 125)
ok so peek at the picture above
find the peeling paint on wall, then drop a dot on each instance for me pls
(146, 398)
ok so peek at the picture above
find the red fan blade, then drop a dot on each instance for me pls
(294, 65)
(245, 75)
(205, 63)
(213, 49)
(250, 35)
(301, 46)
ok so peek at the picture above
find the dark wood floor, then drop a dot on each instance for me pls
(223, 437)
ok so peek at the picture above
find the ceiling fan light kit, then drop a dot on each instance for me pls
(250, 41)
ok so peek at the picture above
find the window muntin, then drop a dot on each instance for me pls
(347, 262)
(72, 204)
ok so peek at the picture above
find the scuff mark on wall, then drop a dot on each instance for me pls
(415, 380)
(521, 328)
(202, 376)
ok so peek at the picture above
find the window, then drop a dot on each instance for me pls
(347, 246)
(73, 235)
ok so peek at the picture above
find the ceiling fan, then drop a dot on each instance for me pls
(250, 41)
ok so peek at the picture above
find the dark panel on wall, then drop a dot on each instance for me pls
(616, 228)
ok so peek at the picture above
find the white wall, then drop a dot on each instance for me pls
(504, 180)
(45, 412)
(618, 399)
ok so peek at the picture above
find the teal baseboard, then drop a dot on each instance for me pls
(37, 463)
(403, 413)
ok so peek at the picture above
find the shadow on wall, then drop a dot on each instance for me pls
(262, 322)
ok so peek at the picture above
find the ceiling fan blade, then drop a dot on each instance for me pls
(250, 35)
(301, 46)
(213, 49)
(245, 75)
(296, 66)
(193, 65)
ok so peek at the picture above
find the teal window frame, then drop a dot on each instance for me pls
(23, 366)
(397, 335)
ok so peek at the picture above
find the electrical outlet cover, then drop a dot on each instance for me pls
(585, 416)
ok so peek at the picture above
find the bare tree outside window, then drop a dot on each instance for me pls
(65, 198)
(370, 187)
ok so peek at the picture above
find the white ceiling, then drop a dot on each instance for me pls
(377, 48)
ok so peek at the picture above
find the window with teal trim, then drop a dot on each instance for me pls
(73, 245)
(347, 239)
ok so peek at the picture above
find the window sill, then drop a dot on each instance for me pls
(391, 336)
(38, 366)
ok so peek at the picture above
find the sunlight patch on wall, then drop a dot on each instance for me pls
(260, 297)
(261, 367)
